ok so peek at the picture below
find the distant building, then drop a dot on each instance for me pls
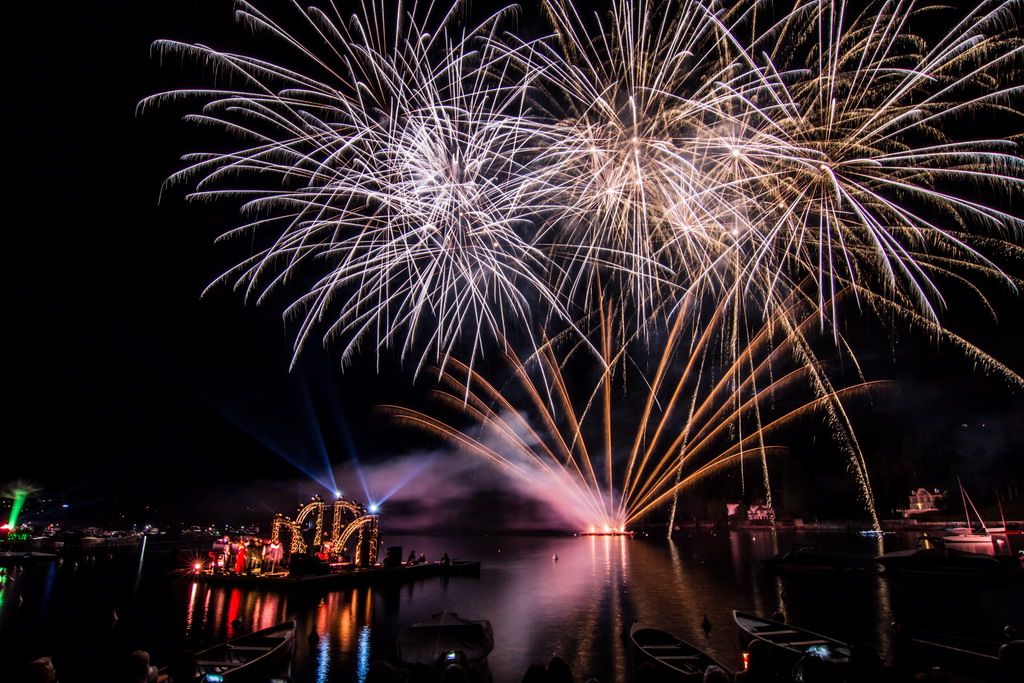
(922, 500)
(760, 513)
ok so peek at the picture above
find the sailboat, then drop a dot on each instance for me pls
(971, 534)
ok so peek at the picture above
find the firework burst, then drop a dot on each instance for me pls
(393, 179)
(438, 187)
(856, 161)
(694, 416)
(630, 205)
(697, 190)
(697, 146)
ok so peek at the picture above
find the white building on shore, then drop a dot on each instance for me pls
(922, 500)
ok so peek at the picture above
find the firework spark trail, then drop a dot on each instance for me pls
(626, 197)
(736, 177)
(689, 428)
(725, 408)
(398, 179)
(854, 165)
(821, 144)
(670, 148)
(562, 468)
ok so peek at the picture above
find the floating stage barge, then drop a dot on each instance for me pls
(330, 544)
(341, 578)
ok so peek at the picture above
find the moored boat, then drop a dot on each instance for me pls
(970, 533)
(792, 643)
(676, 658)
(975, 539)
(939, 559)
(802, 558)
(258, 656)
(14, 558)
(446, 638)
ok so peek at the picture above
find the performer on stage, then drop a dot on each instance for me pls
(240, 557)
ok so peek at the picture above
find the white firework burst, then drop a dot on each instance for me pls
(393, 179)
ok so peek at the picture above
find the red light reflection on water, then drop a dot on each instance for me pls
(233, 604)
(341, 620)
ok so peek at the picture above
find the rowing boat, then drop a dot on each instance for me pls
(257, 656)
(792, 643)
(673, 656)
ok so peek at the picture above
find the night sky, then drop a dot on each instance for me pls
(130, 389)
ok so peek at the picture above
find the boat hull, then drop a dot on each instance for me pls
(792, 644)
(946, 561)
(13, 559)
(257, 656)
(676, 658)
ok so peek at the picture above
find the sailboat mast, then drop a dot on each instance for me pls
(977, 514)
(963, 497)
(967, 499)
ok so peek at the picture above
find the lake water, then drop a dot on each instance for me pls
(577, 606)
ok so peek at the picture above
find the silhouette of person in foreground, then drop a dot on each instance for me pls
(39, 671)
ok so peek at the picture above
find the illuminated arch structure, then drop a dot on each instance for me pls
(349, 523)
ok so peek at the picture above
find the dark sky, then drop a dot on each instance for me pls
(125, 379)
(128, 385)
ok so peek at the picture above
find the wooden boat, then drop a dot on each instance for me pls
(676, 658)
(257, 656)
(792, 642)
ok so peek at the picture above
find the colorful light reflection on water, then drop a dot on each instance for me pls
(576, 606)
(363, 654)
